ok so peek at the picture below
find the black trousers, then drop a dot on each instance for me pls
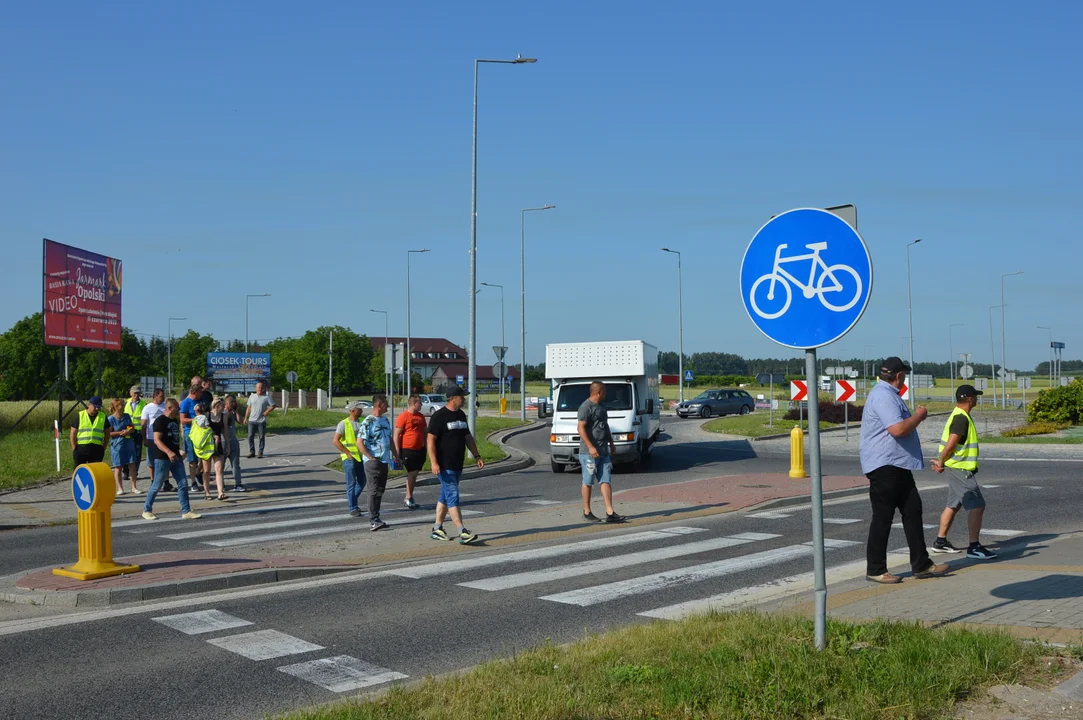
(892, 488)
(88, 454)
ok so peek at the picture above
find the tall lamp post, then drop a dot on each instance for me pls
(1004, 344)
(502, 374)
(910, 315)
(247, 298)
(992, 354)
(472, 414)
(169, 354)
(409, 352)
(680, 322)
(1042, 327)
(522, 306)
(951, 356)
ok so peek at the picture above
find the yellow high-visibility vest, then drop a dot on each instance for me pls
(965, 456)
(349, 441)
(91, 432)
(202, 441)
(136, 411)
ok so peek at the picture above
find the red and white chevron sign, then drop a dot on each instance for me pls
(844, 390)
(798, 390)
(904, 392)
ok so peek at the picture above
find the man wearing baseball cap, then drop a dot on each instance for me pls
(87, 436)
(959, 456)
(134, 407)
(890, 452)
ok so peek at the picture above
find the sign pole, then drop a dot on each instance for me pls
(771, 402)
(817, 506)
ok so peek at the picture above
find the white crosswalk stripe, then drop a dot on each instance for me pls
(544, 502)
(841, 521)
(360, 525)
(991, 532)
(264, 644)
(202, 621)
(147, 526)
(504, 582)
(769, 515)
(341, 673)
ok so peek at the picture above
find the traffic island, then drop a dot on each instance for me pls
(162, 575)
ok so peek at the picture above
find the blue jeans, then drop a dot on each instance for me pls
(449, 487)
(162, 469)
(355, 482)
(595, 470)
(255, 429)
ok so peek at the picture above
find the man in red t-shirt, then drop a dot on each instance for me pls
(410, 442)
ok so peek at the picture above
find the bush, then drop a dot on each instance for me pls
(832, 412)
(1035, 428)
(1062, 405)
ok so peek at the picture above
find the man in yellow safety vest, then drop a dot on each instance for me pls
(134, 407)
(87, 436)
(959, 456)
(347, 433)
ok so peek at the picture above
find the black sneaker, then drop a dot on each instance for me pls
(980, 552)
(168, 488)
(613, 517)
(356, 513)
(943, 548)
(377, 524)
(591, 517)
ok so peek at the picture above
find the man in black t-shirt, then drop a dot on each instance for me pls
(169, 459)
(448, 438)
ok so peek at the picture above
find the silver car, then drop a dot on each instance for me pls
(431, 403)
(717, 402)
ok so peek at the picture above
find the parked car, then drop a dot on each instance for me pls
(431, 403)
(717, 402)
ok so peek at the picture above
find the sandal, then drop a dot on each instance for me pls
(220, 498)
(207, 496)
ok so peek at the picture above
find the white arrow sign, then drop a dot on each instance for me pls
(84, 490)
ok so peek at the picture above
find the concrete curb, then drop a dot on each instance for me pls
(103, 597)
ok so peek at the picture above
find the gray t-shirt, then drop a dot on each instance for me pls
(597, 420)
(257, 405)
(884, 408)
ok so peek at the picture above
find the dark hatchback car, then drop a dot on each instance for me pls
(717, 402)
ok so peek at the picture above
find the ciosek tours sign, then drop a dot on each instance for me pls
(238, 371)
(80, 298)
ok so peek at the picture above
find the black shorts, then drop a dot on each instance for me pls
(413, 460)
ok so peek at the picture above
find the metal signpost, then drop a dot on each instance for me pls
(806, 279)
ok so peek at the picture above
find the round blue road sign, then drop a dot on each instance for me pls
(82, 488)
(806, 278)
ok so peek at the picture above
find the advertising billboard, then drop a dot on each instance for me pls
(238, 372)
(81, 298)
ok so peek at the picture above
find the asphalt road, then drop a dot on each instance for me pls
(421, 618)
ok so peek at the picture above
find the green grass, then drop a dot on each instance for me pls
(755, 424)
(738, 667)
(490, 451)
(1031, 440)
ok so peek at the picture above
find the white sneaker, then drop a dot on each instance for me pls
(149, 515)
(119, 493)
(191, 516)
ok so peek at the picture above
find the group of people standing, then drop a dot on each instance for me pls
(200, 428)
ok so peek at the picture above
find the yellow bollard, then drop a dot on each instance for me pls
(94, 490)
(503, 406)
(797, 454)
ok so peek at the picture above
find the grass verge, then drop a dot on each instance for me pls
(490, 451)
(736, 666)
(1031, 440)
(755, 425)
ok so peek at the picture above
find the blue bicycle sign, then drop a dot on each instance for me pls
(831, 281)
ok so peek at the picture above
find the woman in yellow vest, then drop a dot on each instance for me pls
(959, 456)
(87, 435)
(203, 444)
(346, 436)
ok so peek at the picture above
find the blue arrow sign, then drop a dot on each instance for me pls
(82, 488)
(688, 376)
(806, 278)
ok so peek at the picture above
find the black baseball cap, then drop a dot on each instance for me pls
(893, 365)
(966, 391)
(455, 392)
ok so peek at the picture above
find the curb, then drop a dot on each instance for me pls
(105, 597)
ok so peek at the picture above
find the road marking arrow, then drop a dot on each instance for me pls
(798, 390)
(84, 490)
(844, 390)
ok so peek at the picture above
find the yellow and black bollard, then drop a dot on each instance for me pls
(797, 454)
(94, 489)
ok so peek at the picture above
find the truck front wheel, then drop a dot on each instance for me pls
(555, 466)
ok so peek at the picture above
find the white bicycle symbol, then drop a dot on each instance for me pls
(783, 278)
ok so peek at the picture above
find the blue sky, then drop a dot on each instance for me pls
(221, 149)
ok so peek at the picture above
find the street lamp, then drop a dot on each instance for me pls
(409, 352)
(680, 322)
(910, 314)
(472, 414)
(951, 356)
(246, 299)
(992, 353)
(169, 353)
(502, 345)
(522, 306)
(1042, 327)
(1004, 344)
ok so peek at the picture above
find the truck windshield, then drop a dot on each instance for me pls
(618, 396)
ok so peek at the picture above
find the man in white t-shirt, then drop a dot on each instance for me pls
(259, 407)
(151, 412)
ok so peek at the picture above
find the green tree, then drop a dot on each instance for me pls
(190, 356)
(27, 365)
(354, 369)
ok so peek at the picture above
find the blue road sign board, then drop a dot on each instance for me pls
(458, 379)
(688, 376)
(82, 488)
(806, 278)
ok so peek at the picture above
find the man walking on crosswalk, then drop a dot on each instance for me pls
(596, 451)
(448, 438)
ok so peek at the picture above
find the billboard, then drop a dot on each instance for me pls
(80, 298)
(237, 371)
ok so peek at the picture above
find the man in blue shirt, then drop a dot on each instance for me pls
(890, 452)
(379, 451)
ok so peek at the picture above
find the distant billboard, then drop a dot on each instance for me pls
(80, 298)
(238, 372)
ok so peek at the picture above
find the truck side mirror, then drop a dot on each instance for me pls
(650, 406)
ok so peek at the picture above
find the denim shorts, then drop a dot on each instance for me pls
(189, 450)
(449, 487)
(595, 471)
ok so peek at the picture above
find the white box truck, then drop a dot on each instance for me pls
(629, 370)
